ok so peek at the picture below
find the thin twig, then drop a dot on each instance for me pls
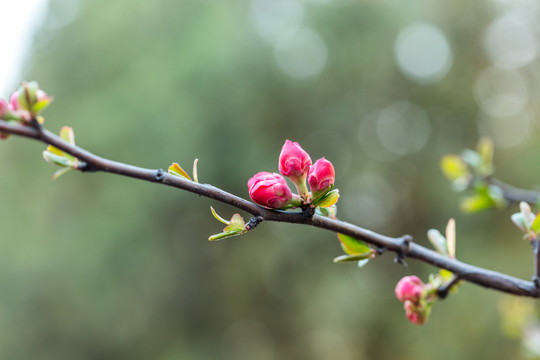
(514, 194)
(403, 246)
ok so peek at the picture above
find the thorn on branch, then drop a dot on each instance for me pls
(159, 176)
(253, 222)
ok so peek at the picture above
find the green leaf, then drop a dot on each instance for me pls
(195, 175)
(519, 221)
(536, 224)
(329, 199)
(485, 150)
(451, 238)
(57, 159)
(351, 258)
(446, 275)
(55, 151)
(42, 104)
(476, 203)
(175, 169)
(353, 246)
(497, 195)
(60, 172)
(471, 158)
(438, 241)
(219, 218)
(454, 167)
(528, 216)
(236, 223)
(67, 134)
(225, 234)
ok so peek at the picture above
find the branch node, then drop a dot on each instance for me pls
(253, 222)
(35, 124)
(536, 281)
(159, 175)
(85, 167)
(308, 211)
(380, 250)
(406, 243)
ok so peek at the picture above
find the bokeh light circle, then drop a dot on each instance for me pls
(423, 53)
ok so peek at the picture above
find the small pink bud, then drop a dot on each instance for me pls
(415, 314)
(4, 107)
(14, 100)
(270, 190)
(409, 288)
(321, 176)
(294, 162)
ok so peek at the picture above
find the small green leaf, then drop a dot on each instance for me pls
(226, 234)
(60, 172)
(351, 258)
(519, 221)
(497, 195)
(329, 199)
(454, 167)
(55, 151)
(42, 104)
(362, 263)
(528, 216)
(175, 169)
(476, 203)
(67, 134)
(446, 275)
(471, 158)
(236, 223)
(438, 241)
(485, 150)
(353, 246)
(451, 238)
(195, 176)
(219, 218)
(56, 159)
(536, 224)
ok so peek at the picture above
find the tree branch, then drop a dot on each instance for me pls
(514, 194)
(403, 246)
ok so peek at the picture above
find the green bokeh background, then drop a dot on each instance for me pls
(96, 266)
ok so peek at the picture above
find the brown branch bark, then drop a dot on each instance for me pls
(403, 246)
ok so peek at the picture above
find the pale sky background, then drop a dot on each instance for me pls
(19, 20)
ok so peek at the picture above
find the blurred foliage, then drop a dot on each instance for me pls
(94, 266)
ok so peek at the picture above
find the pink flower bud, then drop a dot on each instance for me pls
(4, 107)
(294, 162)
(270, 190)
(409, 288)
(14, 100)
(415, 314)
(321, 176)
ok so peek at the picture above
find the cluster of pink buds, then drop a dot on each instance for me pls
(271, 189)
(25, 104)
(416, 297)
